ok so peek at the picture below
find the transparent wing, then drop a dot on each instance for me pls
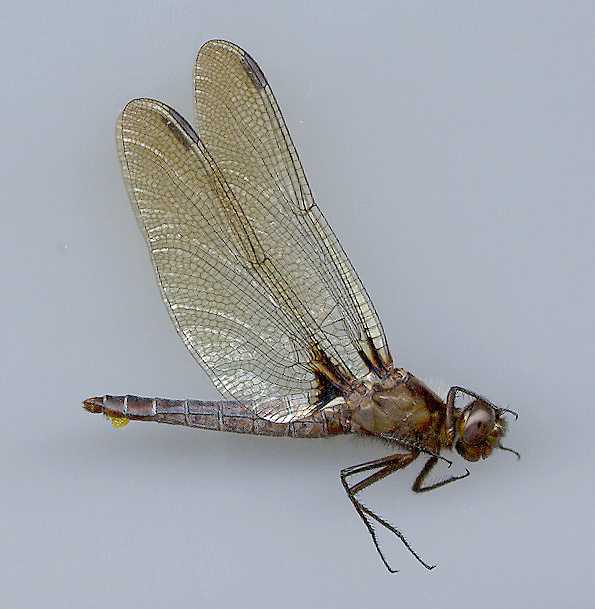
(242, 127)
(241, 335)
(253, 284)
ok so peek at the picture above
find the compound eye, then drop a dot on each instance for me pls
(479, 423)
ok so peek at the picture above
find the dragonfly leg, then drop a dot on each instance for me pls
(385, 467)
(449, 423)
(418, 484)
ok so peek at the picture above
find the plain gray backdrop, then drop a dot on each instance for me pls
(451, 147)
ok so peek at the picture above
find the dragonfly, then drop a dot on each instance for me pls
(264, 297)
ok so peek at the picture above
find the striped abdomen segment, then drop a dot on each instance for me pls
(220, 416)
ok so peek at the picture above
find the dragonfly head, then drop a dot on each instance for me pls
(480, 426)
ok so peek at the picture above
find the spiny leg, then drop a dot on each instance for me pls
(385, 467)
(417, 485)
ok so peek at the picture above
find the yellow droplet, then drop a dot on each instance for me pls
(117, 421)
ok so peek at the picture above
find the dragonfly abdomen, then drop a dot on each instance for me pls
(218, 416)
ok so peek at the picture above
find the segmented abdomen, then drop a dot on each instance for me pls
(219, 416)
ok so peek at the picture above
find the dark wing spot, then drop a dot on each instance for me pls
(254, 72)
(183, 124)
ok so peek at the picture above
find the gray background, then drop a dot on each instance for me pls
(451, 147)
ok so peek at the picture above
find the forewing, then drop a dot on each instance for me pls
(249, 343)
(243, 129)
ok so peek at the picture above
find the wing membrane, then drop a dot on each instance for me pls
(242, 127)
(236, 330)
(254, 279)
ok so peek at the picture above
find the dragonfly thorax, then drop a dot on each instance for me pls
(400, 406)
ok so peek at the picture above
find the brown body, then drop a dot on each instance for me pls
(401, 407)
(397, 408)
